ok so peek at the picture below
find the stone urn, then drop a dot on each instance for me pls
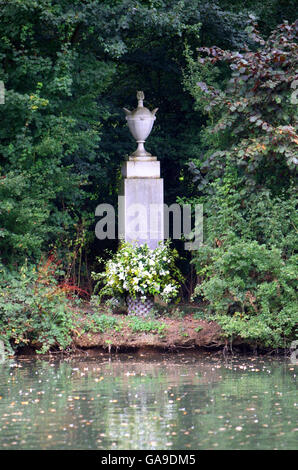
(139, 307)
(140, 122)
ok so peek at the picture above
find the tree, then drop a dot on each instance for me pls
(253, 121)
(69, 67)
(246, 266)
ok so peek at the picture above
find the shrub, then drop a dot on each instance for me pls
(34, 309)
(251, 291)
(247, 265)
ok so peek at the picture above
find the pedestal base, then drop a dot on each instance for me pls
(142, 204)
(141, 169)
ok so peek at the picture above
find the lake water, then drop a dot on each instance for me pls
(142, 401)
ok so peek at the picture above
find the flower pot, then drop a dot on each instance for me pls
(138, 306)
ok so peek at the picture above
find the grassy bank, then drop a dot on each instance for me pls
(42, 314)
(184, 327)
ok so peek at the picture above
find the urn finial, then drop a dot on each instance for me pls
(140, 122)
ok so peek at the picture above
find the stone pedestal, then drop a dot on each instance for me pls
(141, 205)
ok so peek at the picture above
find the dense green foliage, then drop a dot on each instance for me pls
(70, 66)
(34, 309)
(253, 119)
(247, 265)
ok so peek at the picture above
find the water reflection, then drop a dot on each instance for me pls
(148, 402)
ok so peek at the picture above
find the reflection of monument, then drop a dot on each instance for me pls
(142, 208)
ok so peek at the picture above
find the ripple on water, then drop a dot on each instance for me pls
(181, 401)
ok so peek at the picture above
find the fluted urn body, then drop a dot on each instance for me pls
(140, 122)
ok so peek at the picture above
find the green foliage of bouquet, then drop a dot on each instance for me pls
(138, 271)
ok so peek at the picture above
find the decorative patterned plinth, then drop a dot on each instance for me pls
(138, 307)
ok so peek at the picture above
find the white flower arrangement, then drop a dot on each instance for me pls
(139, 271)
